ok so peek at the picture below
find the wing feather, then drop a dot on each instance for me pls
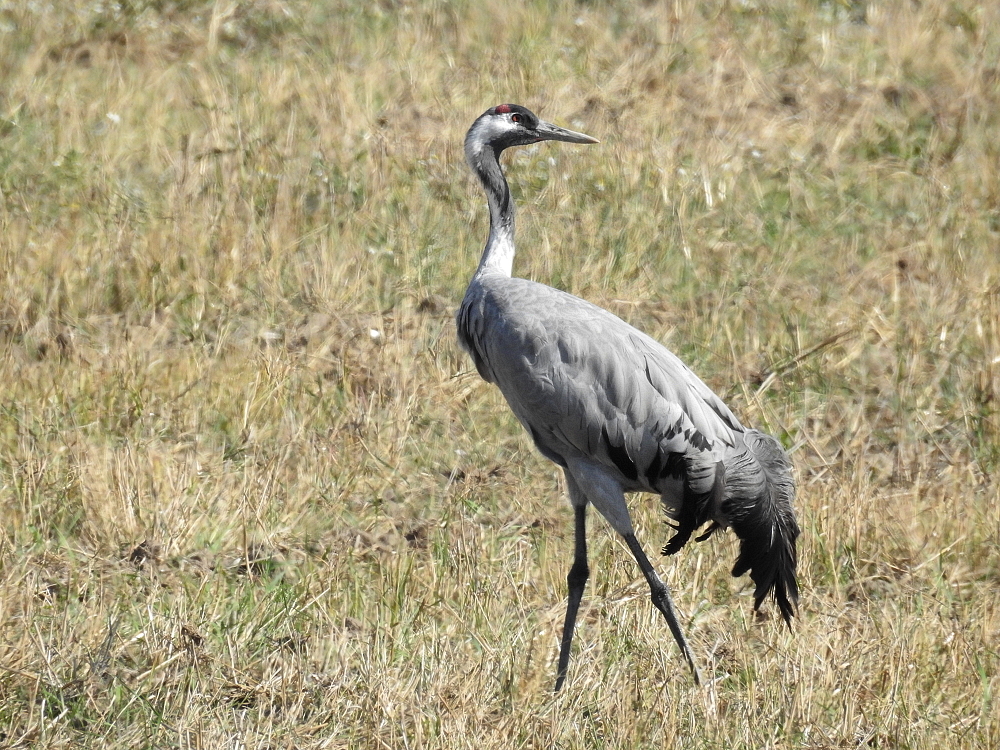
(584, 382)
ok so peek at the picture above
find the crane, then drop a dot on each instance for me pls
(617, 410)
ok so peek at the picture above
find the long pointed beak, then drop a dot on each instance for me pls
(548, 132)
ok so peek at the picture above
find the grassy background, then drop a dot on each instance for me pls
(253, 495)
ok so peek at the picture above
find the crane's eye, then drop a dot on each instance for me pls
(516, 117)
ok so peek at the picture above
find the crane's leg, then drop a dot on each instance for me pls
(592, 482)
(578, 574)
(662, 601)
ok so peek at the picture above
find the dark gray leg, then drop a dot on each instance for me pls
(576, 579)
(662, 601)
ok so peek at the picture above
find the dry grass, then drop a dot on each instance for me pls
(254, 497)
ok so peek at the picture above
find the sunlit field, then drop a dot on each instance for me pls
(253, 494)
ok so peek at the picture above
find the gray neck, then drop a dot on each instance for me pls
(498, 255)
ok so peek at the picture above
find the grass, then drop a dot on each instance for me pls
(253, 494)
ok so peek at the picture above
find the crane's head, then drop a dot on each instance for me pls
(509, 125)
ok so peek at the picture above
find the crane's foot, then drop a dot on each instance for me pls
(662, 600)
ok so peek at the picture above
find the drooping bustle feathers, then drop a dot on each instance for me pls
(765, 523)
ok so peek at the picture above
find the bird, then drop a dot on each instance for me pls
(617, 411)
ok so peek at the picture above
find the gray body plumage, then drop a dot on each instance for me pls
(618, 411)
(593, 391)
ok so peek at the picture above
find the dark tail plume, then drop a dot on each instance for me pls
(762, 516)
